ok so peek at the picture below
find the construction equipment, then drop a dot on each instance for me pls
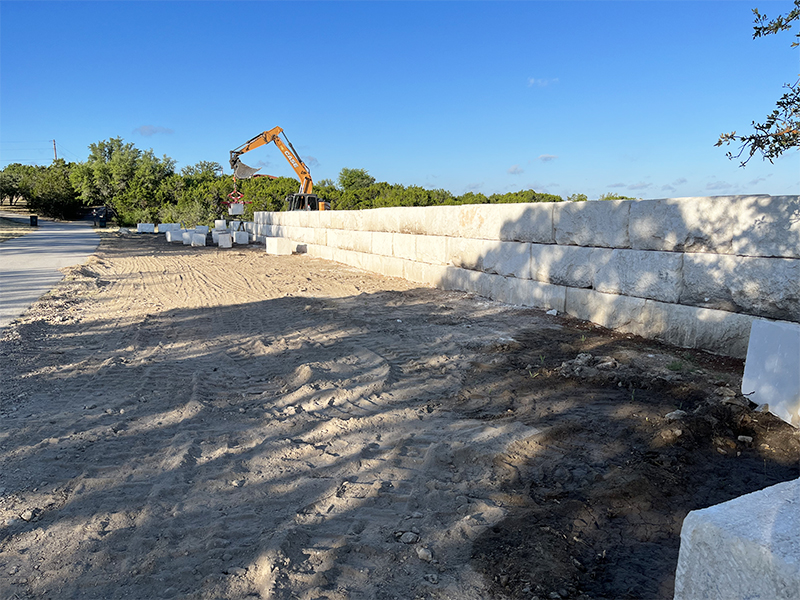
(302, 200)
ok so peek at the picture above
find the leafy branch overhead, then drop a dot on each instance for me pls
(781, 129)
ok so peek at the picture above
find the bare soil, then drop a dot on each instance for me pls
(201, 423)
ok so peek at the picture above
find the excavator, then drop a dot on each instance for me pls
(302, 200)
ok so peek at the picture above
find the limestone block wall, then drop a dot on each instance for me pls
(693, 272)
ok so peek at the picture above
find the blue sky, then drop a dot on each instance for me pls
(561, 97)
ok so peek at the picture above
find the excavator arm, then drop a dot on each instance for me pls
(242, 171)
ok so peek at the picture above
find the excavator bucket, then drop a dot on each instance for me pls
(242, 171)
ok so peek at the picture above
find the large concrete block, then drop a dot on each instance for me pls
(174, 235)
(220, 224)
(186, 236)
(772, 369)
(224, 239)
(767, 226)
(525, 292)
(424, 273)
(382, 243)
(198, 239)
(467, 253)
(432, 249)
(702, 224)
(241, 237)
(165, 227)
(603, 223)
(145, 228)
(573, 266)
(201, 229)
(413, 220)
(716, 331)
(765, 287)
(748, 547)
(509, 259)
(404, 246)
(525, 222)
(279, 246)
(609, 310)
(655, 275)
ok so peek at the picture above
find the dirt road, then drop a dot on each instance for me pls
(197, 423)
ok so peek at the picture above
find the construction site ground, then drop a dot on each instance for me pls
(201, 423)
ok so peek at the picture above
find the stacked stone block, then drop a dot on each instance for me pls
(689, 271)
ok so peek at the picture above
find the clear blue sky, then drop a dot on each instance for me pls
(560, 97)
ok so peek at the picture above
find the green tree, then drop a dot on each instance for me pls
(353, 179)
(781, 129)
(16, 183)
(53, 194)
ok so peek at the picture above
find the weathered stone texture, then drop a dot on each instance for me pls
(574, 266)
(766, 287)
(603, 224)
(654, 275)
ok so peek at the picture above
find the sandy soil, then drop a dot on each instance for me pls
(199, 423)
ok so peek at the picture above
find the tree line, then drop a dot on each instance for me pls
(143, 188)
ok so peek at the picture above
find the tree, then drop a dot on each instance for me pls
(353, 179)
(781, 129)
(16, 183)
(53, 194)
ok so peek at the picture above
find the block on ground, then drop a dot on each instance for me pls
(241, 237)
(224, 240)
(772, 369)
(198, 239)
(279, 246)
(145, 228)
(748, 547)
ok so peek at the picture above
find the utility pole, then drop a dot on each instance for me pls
(55, 156)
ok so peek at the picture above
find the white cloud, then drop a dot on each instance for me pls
(311, 161)
(639, 186)
(616, 185)
(718, 185)
(515, 170)
(474, 187)
(547, 157)
(150, 130)
(532, 81)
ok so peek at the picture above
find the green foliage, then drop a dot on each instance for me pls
(577, 198)
(16, 183)
(121, 176)
(53, 194)
(612, 196)
(781, 129)
(354, 179)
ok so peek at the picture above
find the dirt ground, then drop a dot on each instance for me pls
(200, 423)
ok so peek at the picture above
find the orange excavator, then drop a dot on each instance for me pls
(302, 200)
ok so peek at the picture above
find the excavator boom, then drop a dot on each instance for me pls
(242, 171)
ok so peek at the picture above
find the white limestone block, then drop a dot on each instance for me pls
(766, 287)
(772, 370)
(241, 237)
(187, 237)
(404, 246)
(382, 243)
(220, 224)
(279, 246)
(424, 273)
(509, 259)
(573, 266)
(609, 310)
(165, 227)
(224, 240)
(237, 208)
(526, 292)
(603, 223)
(201, 229)
(525, 222)
(748, 547)
(655, 275)
(432, 249)
(467, 253)
(767, 226)
(198, 239)
(145, 228)
(174, 235)
(215, 235)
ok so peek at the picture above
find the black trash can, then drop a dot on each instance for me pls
(34, 220)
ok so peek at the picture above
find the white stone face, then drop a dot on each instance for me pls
(220, 224)
(224, 240)
(187, 237)
(145, 228)
(165, 227)
(654, 275)
(574, 266)
(241, 237)
(278, 246)
(603, 224)
(198, 239)
(748, 547)
(201, 229)
(174, 235)
(772, 369)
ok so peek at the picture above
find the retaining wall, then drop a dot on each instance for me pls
(693, 272)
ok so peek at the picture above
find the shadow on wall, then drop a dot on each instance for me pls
(692, 272)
